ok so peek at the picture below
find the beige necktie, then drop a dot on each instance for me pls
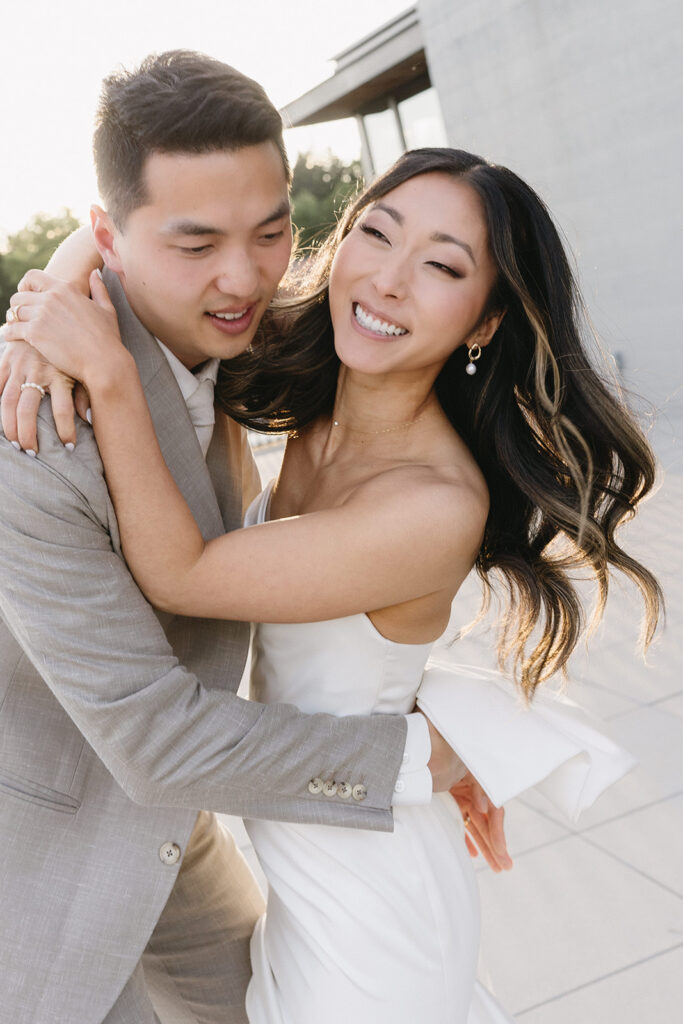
(200, 407)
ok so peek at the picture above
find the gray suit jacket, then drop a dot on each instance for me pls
(118, 723)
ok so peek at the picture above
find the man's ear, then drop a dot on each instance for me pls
(105, 235)
(487, 328)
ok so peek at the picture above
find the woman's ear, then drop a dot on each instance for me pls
(488, 328)
(105, 235)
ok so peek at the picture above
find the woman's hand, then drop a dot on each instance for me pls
(484, 824)
(20, 364)
(77, 335)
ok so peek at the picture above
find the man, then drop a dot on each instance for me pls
(118, 901)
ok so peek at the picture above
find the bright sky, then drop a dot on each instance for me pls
(55, 53)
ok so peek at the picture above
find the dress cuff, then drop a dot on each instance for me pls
(552, 745)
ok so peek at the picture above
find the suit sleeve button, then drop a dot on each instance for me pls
(344, 790)
(359, 792)
(315, 786)
(329, 787)
(169, 853)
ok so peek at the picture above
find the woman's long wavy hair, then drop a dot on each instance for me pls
(563, 458)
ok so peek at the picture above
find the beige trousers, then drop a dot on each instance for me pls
(195, 969)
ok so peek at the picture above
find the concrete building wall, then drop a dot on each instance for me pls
(582, 99)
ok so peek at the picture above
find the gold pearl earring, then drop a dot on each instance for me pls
(474, 351)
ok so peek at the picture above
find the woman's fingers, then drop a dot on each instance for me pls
(487, 832)
(27, 417)
(471, 848)
(82, 401)
(496, 823)
(98, 291)
(22, 311)
(8, 409)
(477, 831)
(36, 281)
(5, 362)
(68, 329)
(61, 396)
(21, 365)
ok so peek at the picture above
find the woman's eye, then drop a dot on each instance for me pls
(367, 229)
(446, 269)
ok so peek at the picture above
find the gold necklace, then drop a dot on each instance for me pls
(385, 430)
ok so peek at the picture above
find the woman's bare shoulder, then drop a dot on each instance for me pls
(449, 502)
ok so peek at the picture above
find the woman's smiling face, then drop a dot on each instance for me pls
(410, 281)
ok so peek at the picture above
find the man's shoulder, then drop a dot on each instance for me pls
(79, 471)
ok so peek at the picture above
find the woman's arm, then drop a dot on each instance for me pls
(73, 261)
(370, 553)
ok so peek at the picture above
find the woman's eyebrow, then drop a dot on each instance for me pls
(393, 213)
(438, 236)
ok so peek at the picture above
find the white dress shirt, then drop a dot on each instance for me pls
(414, 782)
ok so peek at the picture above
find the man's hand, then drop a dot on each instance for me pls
(484, 823)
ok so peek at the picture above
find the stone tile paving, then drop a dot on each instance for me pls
(588, 927)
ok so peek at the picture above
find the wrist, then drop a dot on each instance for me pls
(111, 375)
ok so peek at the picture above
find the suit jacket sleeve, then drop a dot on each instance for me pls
(167, 739)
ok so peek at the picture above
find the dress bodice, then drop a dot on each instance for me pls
(341, 666)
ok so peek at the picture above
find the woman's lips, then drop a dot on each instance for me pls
(374, 325)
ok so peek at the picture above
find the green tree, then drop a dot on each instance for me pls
(32, 247)
(321, 188)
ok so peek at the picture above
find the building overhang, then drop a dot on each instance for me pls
(390, 61)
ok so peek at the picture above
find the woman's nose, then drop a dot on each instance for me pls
(390, 277)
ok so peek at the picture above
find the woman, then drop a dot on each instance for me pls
(442, 414)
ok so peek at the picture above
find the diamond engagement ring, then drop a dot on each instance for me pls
(36, 387)
(466, 818)
(12, 315)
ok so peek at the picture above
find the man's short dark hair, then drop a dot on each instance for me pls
(174, 102)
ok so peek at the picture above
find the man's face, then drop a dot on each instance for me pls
(201, 260)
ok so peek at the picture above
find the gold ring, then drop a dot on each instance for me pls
(466, 818)
(13, 315)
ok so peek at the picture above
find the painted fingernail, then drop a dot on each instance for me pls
(15, 444)
(88, 416)
(30, 452)
(69, 446)
(99, 273)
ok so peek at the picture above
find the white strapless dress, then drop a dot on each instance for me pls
(367, 927)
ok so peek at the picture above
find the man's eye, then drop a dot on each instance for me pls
(195, 250)
(273, 236)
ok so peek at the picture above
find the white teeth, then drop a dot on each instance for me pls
(230, 316)
(371, 323)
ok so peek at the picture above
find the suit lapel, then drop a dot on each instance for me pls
(177, 437)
